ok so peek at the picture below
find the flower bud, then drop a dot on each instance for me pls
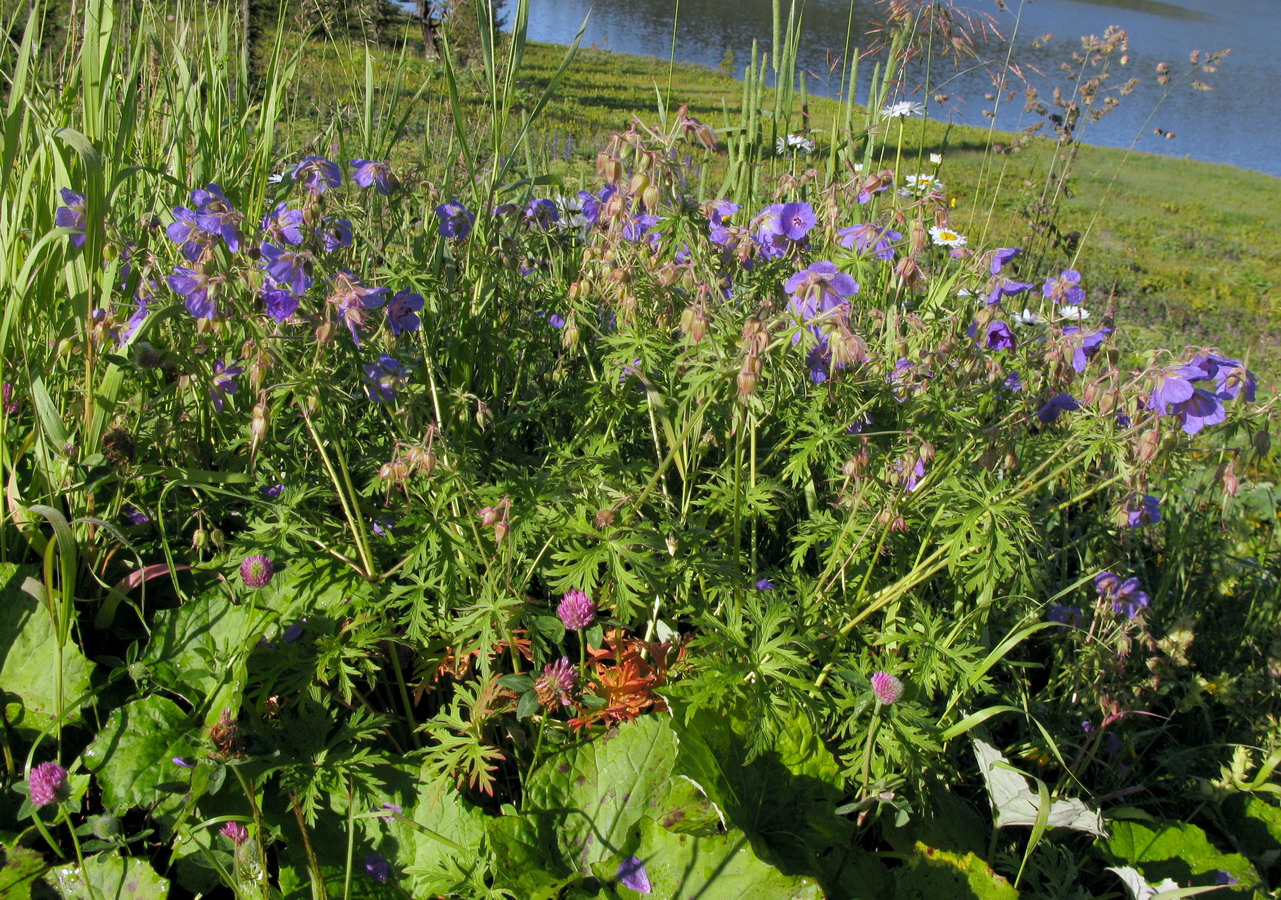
(650, 197)
(488, 515)
(1145, 449)
(325, 332)
(746, 383)
(640, 181)
(500, 532)
(569, 334)
(200, 539)
(1262, 442)
(1230, 482)
(899, 524)
(604, 519)
(927, 452)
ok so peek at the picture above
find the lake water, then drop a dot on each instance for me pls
(1237, 123)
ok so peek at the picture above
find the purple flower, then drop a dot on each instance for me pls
(717, 233)
(223, 383)
(402, 311)
(198, 291)
(383, 377)
(371, 172)
(764, 584)
(639, 226)
(133, 515)
(1142, 510)
(377, 867)
(1174, 394)
(216, 216)
(256, 571)
(632, 874)
(555, 320)
(887, 688)
(1059, 403)
(236, 831)
(353, 299)
(997, 336)
(1006, 287)
(183, 763)
(1231, 378)
(911, 478)
(293, 631)
(818, 291)
(142, 307)
(1065, 289)
(782, 225)
(556, 684)
(1088, 347)
(284, 223)
(48, 784)
(280, 303)
(1223, 876)
(541, 213)
(288, 267)
(1001, 256)
(318, 174)
(394, 808)
(334, 233)
(186, 231)
(72, 216)
(1125, 596)
(576, 611)
(1066, 616)
(455, 221)
(864, 237)
(1013, 382)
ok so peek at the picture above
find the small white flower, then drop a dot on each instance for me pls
(797, 143)
(936, 159)
(924, 184)
(946, 237)
(1027, 317)
(275, 179)
(858, 167)
(1074, 312)
(903, 108)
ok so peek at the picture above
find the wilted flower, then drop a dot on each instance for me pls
(455, 220)
(256, 571)
(318, 174)
(370, 172)
(236, 831)
(48, 784)
(576, 610)
(556, 684)
(223, 383)
(632, 874)
(72, 216)
(887, 688)
(353, 299)
(402, 311)
(1059, 403)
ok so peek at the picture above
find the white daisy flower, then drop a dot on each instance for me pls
(275, 179)
(923, 183)
(796, 143)
(946, 237)
(1074, 312)
(936, 159)
(1027, 317)
(903, 108)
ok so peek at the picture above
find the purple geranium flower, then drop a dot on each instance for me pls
(864, 237)
(290, 268)
(334, 233)
(216, 216)
(198, 290)
(1088, 347)
(818, 290)
(402, 311)
(781, 225)
(353, 299)
(1059, 403)
(1066, 288)
(223, 383)
(717, 233)
(455, 220)
(1142, 510)
(72, 215)
(632, 874)
(280, 303)
(377, 867)
(1006, 287)
(1001, 256)
(640, 226)
(185, 230)
(1175, 394)
(318, 174)
(370, 172)
(997, 336)
(1125, 596)
(541, 213)
(764, 584)
(383, 378)
(133, 515)
(1066, 616)
(284, 224)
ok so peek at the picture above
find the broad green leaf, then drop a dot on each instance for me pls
(530, 858)
(710, 867)
(1255, 825)
(28, 656)
(110, 877)
(1016, 804)
(199, 651)
(944, 822)
(133, 753)
(18, 870)
(932, 874)
(1177, 851)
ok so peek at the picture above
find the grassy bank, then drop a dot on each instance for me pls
(1186, 248)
